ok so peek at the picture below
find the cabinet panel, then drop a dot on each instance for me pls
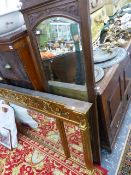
(127, 72)
(115, 99)
(11, 66)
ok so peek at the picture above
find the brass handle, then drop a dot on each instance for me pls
(10, 47)
(118, 123)
(7, 66)
(1, 78)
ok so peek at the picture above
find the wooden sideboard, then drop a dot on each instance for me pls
(114, 93)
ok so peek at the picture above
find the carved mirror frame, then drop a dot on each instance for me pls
(78, 10)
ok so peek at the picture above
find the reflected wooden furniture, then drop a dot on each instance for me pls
(17, 66)
(62, 67)
(60, 108)
(114, 94)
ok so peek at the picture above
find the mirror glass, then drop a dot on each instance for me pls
(59, 43)
(60, 48)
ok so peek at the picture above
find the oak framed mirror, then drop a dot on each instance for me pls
(60, 40)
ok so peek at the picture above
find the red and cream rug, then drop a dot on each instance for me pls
(48, 135)
(34, 156)
(31, 158)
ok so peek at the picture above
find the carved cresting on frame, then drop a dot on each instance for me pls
(58, 111)
(66, 9)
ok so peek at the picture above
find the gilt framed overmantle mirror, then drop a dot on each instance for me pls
(60, 41)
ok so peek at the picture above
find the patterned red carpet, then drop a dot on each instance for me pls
(33, 158)
(48, 135)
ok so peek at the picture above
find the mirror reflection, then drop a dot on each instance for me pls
(59, 43)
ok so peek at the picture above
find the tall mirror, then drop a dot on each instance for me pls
(59, 43)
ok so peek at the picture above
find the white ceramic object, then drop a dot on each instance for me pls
(99, 73)
(21, 115)
(10, 22)
(100, 55)
(125, 18)
(122, 54)
(7, 120)
(126, 26)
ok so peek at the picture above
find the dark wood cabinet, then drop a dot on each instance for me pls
(17, 66)
(113, 98)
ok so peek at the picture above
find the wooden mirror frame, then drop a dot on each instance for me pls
(34, 12)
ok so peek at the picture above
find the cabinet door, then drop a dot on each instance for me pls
(114, 100)
(11, 66)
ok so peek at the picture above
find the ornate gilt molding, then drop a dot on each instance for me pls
(47, 107)
(84, 125)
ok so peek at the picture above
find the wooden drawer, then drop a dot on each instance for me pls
(11, 66)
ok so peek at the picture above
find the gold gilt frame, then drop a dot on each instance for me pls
(58, 111)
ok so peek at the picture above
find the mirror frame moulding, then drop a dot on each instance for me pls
(62, 110)
(45, 103)
(78, 10)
